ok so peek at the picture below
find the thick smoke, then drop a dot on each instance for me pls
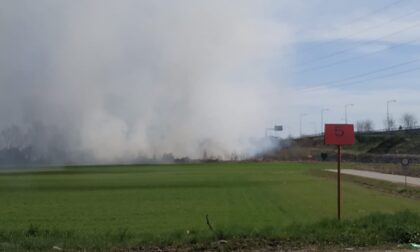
(112, 81)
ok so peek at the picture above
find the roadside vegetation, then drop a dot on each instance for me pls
(370, 147)
(374, 230)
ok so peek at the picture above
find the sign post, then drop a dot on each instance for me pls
(339, 135)
(278, 127)
(338, 182)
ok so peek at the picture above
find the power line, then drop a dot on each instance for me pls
(365, 74)
(362, 43)
(339, 62)
(365, 80)
(351, 35)
(356, 78)
(381, 9)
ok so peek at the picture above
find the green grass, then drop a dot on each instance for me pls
(371, 230)
(120, 205)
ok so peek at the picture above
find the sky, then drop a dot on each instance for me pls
(115, 80)
(347, 55)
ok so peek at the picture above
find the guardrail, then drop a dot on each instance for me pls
(373, 132)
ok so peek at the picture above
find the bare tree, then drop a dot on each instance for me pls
(368, 125)
(408, 121)
(12, 137)
(389, 123)
(364, 126)
(359, 126)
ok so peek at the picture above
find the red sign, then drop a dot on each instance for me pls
(339, 134)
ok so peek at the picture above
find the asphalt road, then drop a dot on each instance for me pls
(381, 176)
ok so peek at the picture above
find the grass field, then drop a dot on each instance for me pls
(79, 206)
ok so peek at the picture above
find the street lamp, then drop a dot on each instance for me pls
(345, 111)
(322, 119)
(388, 123)
(314, 126)
(300, 122)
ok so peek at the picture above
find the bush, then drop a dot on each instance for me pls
(374, 229)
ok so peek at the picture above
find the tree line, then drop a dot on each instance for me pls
(407, 121)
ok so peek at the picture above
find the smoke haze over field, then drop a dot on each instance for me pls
(103, 81)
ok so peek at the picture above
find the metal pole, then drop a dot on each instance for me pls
(268, 130)
(387, 116)
(388, 123)
(300, 125)
(345, 112)
(322, 120)
(338, 182)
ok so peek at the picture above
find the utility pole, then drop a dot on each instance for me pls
(388, 123)
(300, 122)
(345, 111)
(314, 126)
(322, 119)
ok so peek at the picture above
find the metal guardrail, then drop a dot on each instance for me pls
(373, 132)
(389, 131)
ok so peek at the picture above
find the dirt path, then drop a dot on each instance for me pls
(381, 176)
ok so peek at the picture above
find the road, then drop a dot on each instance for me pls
(381, 176)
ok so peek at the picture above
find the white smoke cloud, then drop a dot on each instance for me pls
(119, 79)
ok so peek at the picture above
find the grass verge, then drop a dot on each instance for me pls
(374, 184)
(377, 229)
(371, 230)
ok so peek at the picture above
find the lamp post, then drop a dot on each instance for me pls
(388, 123)
(300, 122)
(313, 124)
(345, 111)
(322, 119)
